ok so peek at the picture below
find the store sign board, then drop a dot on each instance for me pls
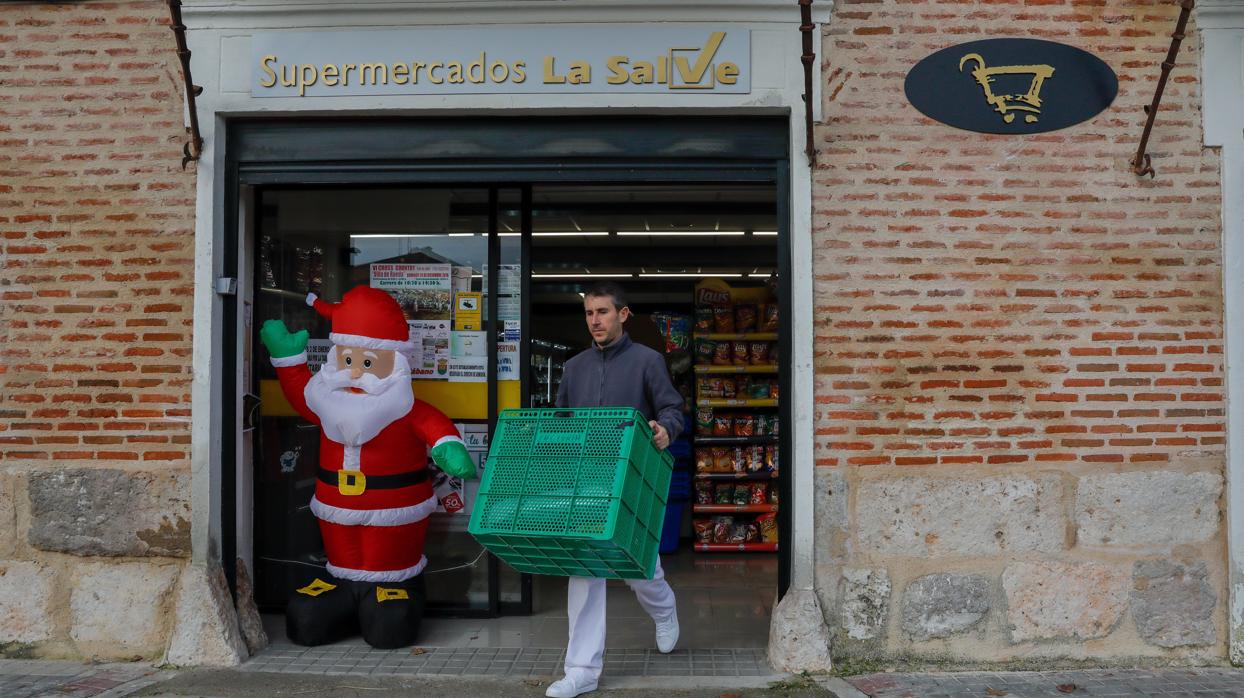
(566, 59)
(1011, 86)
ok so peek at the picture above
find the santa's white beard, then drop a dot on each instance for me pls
(352, 418)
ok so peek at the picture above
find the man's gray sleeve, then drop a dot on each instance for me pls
(666, 400)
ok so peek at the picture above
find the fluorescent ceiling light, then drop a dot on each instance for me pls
(764, 232)
(392, 236)
(588, 275)
(674, 275)
(681, 233)
(561, 234)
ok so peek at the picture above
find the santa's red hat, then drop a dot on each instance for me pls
(366, 317)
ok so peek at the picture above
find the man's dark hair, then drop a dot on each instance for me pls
(608, 289)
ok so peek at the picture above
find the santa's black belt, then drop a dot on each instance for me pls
(349, 482)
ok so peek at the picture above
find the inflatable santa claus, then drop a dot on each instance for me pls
(374, 493)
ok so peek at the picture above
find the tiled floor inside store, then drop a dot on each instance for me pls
(724, 603)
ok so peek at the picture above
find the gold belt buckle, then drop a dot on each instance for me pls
(351, 482)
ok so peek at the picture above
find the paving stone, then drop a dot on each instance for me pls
(865, 602)
(205, 631)
(940, 605)
(26, 590)
(1148, 509)
(926, 517)
(116, 610)
(95, 511)
(1173, 604)
(1054, 599)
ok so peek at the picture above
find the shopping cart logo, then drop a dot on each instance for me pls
(1007, 104)
(1011, 86)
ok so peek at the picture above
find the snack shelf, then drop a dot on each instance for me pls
(733, 508)
(736, 547)
(740, 336)
(734, 402)
(737, 476)
(734, 440)
(758, 368)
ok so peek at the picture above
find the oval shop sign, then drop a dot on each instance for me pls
(1011, 86)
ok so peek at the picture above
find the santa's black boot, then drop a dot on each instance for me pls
(390, 613)
(322, 611)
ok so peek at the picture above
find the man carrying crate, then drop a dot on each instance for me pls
(615, 372)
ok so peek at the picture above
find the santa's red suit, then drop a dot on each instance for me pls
(374, 493)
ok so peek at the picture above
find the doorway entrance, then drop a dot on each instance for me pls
(329, 218)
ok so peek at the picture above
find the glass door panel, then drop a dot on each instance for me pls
(429, 247)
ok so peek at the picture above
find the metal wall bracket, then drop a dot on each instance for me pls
(806, 27)
(1142, 164)
(192, 150)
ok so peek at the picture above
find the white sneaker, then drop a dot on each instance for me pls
(570, 686)
(667, 634)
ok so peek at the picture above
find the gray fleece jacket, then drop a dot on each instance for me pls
(623, 374)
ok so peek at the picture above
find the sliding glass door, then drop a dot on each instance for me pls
(451, 257)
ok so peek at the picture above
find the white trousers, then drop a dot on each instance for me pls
(585, 606)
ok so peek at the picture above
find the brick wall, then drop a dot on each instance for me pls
(96, 252)
(98, 224)
(1018, 345)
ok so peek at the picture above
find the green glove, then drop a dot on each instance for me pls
(279, 341)
(452, 458)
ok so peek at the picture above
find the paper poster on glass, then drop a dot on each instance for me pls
(507, 361)
(453, 495)
(425, 291)
(468, 310)
(317, 353)
(509, 292)
(430, 360)
(461, 280)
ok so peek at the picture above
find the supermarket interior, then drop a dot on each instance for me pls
(699, 264)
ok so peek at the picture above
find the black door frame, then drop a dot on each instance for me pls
(500, 153)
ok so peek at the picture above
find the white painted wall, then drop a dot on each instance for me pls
(219, 36)
(1221, 23)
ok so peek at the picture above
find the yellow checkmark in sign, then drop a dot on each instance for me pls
(691, 76)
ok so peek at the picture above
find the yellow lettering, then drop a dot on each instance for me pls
(400, 73)
(550, 74)
(327, 73)
(505, 71)
(432, 67)
(454, 70)
(642, 73)
(377, 70)
(306, 77)
(727, 73)
(478, 77)
(415, 67)
(263, 65)
(520, 71)
(617, 70)
(289, 75)
(663, 70)
(580, 72)
(345, 72)
(693, 75)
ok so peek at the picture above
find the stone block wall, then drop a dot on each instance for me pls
(1019, 394)
(96, 271)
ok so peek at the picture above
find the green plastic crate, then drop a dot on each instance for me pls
(573, 492)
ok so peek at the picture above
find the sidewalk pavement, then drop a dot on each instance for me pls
(29, 678)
